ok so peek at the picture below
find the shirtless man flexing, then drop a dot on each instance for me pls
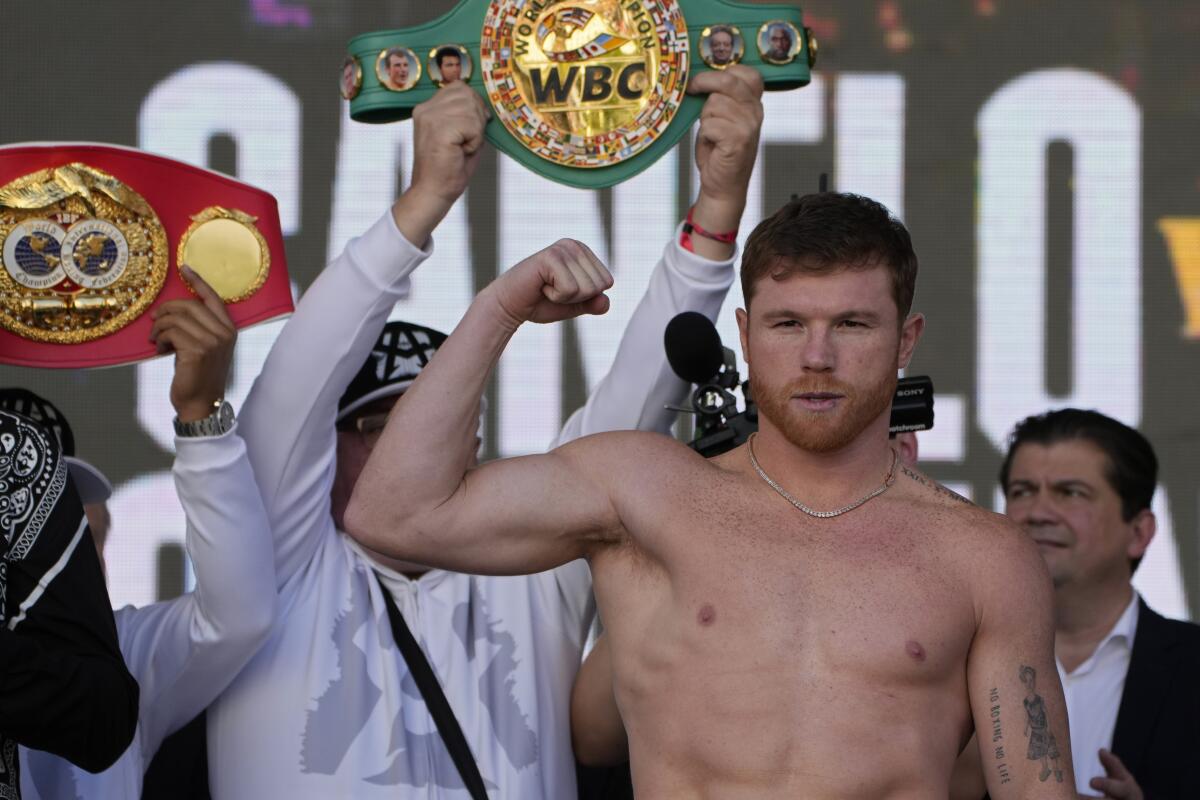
(799, 617)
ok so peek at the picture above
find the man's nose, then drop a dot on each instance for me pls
(1035, 509)
(817, 354)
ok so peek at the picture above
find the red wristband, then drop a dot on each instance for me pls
(690, 227)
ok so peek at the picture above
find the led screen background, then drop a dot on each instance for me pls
(1042, 154)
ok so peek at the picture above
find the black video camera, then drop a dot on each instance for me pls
(696, 354)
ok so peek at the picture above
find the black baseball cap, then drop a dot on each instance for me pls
(400, 353)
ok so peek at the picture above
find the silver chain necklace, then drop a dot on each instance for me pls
(887, 484)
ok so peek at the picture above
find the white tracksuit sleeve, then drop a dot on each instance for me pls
(184, 652)
(288, 420)
(634, 393)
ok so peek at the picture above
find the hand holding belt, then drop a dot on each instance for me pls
(585, 92)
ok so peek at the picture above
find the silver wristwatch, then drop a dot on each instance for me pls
(218, 422)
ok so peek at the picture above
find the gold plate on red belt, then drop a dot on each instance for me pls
(225, 248)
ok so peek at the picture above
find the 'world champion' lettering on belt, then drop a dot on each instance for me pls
(562, 24)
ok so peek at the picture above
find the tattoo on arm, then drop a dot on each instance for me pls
(937, 487)
(1042, 744)
(997, 737)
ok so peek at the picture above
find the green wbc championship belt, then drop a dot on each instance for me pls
(585, 92)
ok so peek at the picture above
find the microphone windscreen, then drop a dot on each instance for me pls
(693, 347)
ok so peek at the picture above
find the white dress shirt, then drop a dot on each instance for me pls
(1093, 693)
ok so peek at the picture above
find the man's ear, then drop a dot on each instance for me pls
(1143, 525)
(910, 334)
(743, 321)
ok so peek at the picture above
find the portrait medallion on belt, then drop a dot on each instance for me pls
(84, 255)
(585, 83)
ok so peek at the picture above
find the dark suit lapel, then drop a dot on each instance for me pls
(1147, 685)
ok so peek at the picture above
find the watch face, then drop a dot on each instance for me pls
(225, 416)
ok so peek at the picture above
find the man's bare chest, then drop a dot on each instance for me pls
(873, 598)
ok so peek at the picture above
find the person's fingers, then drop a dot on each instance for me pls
(560, 284)
(738, 82)
(597, 305)
(576, 260)
(170, 307)
(593, 276)
(749, 78)
(471, 121)
(178, 325)
(1115, 789)
(746, 118)
(587, 254)
(723, 107)
(212, 301)
(220, 325)
(162, 321)
(197, 333)
(601, 276)
(472, 142)
(1113, 765)
(716, 82)
(463, 101)
(174, 340)
(719, 131)
(592, 273)
(571, 274)
(456, 109)
(222, 329)
(481, 107)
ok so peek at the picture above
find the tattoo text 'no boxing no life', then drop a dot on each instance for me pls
(998, 736)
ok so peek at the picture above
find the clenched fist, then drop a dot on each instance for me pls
(726, 149)
(730, 122)
(447, 141)
(563, 281)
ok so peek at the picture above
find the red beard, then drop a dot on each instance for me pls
(822, 432)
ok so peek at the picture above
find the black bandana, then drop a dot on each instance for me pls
(40, 410)
(33, 477)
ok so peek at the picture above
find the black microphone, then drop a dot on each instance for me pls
(693, 347)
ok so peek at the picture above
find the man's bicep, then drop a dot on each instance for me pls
(1016, 698)
(521, 515)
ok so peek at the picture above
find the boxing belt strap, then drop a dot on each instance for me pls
(93, 236)
(587, 94)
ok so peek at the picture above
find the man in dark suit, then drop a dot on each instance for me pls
(1081, 484)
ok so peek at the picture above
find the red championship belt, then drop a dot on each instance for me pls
(92, 237)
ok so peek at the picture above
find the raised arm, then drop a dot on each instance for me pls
(635, 392)
(184, 652)
(1016, 699)
(418, 500)
(288, 419)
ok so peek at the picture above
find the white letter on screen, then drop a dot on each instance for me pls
(1102, 124)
